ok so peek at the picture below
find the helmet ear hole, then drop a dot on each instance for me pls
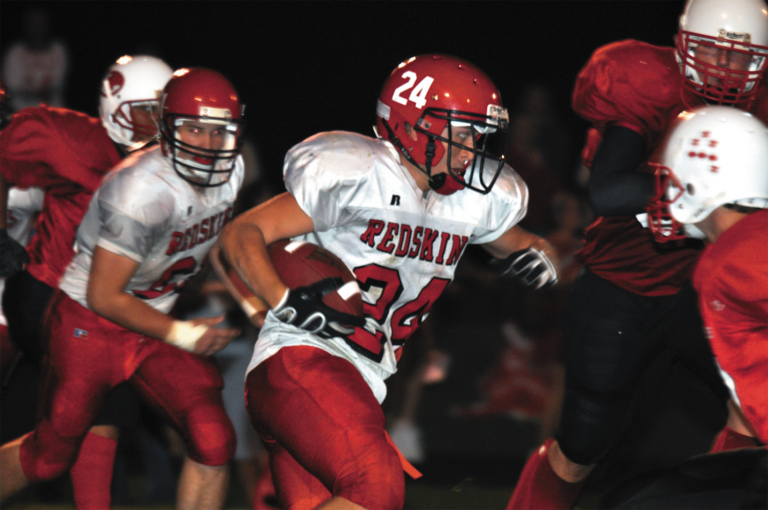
(412, 134)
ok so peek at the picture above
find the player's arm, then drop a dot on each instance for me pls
(531, 258)
(616, 188)
(106, 296)
(244, 243)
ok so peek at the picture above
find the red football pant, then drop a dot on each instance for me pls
(88, 356)
(325, 431)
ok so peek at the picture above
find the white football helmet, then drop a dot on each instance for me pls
(738, 26)
(712, 156)
(130, 98)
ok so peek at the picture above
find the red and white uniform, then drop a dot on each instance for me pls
(732, 281)
(638, 86)
(402, 244)
(144, 211)
(66, 154)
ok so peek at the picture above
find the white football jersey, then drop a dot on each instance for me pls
(144, 211)
(402, 244)
(23, 206)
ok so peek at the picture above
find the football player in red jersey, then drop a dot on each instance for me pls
(16, 229)
(396, 211)
(722, 197)
(147, 229)
(634, 299)
(66, 154)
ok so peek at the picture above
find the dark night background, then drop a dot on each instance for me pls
(305, 67)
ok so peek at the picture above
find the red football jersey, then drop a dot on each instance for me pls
(637, 86)
(65, 153)
(732, 281)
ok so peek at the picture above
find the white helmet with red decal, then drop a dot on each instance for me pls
(130, 98)
(714, 156)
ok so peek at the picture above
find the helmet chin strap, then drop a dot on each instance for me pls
(437, 183)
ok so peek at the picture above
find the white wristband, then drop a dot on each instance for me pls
(185, 334)
(283, 301)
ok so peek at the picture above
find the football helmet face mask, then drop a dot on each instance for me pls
(714, 156)
(204, 100)
(434, 95)
(722, 48)
(130, 99)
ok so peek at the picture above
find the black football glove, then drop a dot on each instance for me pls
(13, 256)
(304, 308)
(532, 266)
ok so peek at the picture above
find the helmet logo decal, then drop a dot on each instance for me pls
(698, 142)
(734, 36)
(419, 92)
(218, 113)
(116, 81)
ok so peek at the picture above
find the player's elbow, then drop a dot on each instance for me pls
(98, 301)
(229, 236)
(237, 235)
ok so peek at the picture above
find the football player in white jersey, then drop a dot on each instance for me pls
(396, 210)
(147, 229)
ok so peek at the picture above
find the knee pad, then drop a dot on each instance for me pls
(374, 479)
(591, 423)
(45, 460)
(210, 437)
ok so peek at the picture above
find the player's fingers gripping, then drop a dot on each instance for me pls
(304, 308)
(200, 336)
(209, 321)
(214, 340)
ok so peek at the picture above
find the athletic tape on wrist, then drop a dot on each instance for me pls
(185, 334)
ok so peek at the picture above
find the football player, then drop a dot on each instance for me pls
(723, 199)
(66, 154)
(634, 299)
(399, 210)
(147, 229)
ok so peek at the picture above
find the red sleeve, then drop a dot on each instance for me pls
(47, 147)
(631, 84)
(733, 284)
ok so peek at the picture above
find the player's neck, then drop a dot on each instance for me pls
(719, 221)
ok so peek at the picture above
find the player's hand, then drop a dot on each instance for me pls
(13, 256)
(304, 308)
(214, 339)
(532, 266)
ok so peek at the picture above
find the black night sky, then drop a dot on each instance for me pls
(305, 67)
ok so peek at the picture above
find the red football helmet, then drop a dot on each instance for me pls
(434, 92)
(204, 99)
(6, 112)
